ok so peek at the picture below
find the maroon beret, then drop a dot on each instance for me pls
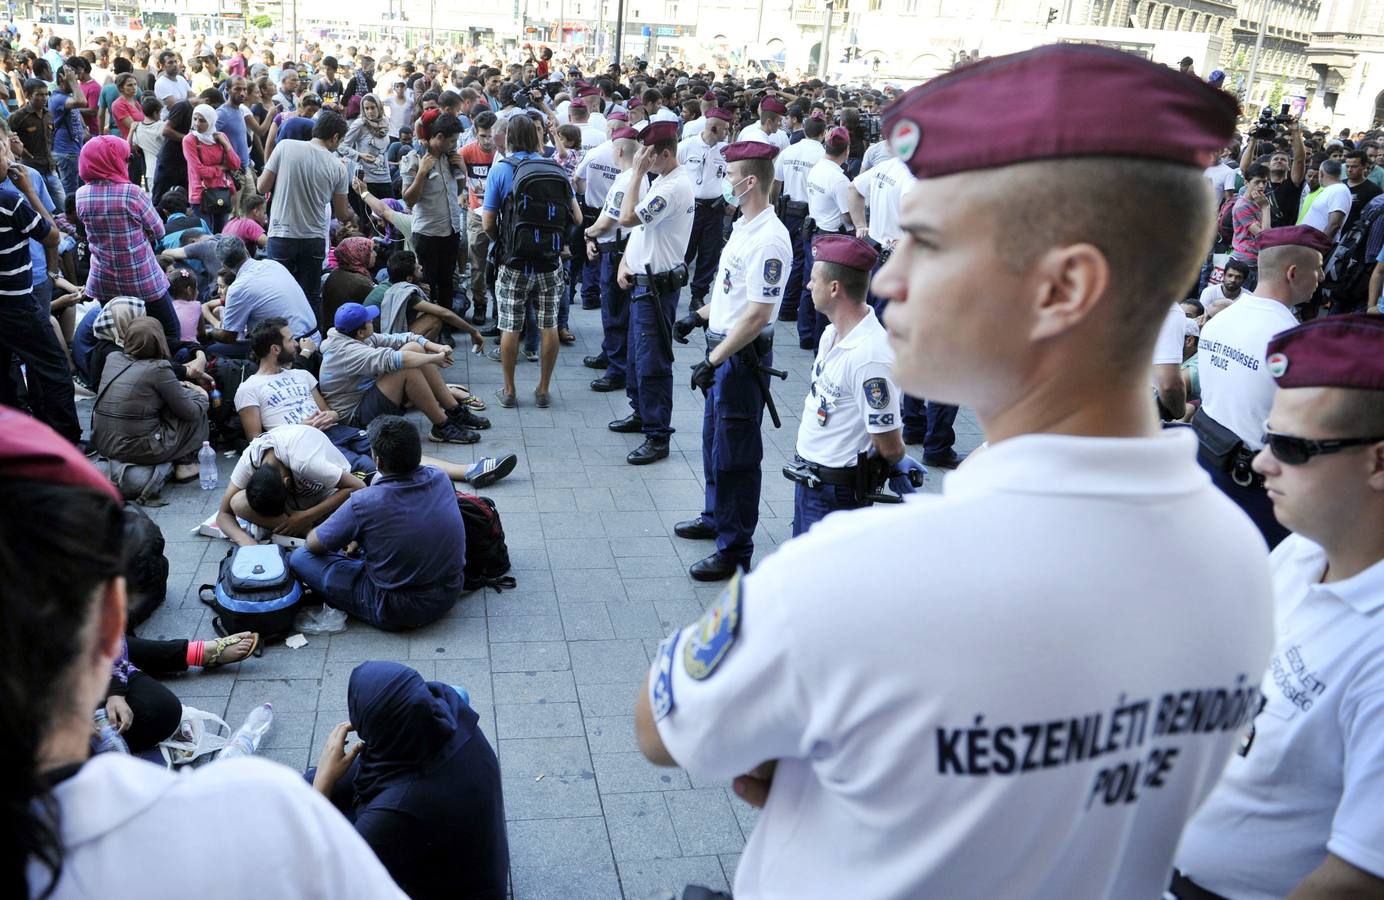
(1337, 351)
(719, 113)
(845, 250)
(581, 83)
(589, 92)
(624, 132)
(748, 150)
(618, 115)
(659, 131)
(839, 135)
(1061, 100)
(772, 105)
(1295, 236)
(577, 104)
(709, 95)
(32, 451)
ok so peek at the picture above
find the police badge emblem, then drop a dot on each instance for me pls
(876, 393)
(657, 205)
(773, 271)
(710, 639)
(661, 689)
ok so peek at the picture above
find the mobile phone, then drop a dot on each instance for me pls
(1283, 110)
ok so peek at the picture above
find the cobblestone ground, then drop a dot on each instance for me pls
(553, 665)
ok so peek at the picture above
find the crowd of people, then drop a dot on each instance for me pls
(220, 245)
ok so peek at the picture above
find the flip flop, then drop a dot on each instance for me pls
(212, 656)
(471, 399)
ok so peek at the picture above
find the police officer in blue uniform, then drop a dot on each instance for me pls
(734, 376)
(701, 155)
(606, 242)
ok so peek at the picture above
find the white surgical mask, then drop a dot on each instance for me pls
(728, 191)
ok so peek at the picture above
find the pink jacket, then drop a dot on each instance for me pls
(207, 165)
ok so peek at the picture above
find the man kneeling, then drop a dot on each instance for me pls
(403, 539)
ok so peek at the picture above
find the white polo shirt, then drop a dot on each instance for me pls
(1236, 386)
(1167, 348)
(614, 198)
(1034, 726)
(852, 395)
(753, 269)
(1310, 779)
(665, 214)
(599, 169)
(792, 165)
(883, 188)
(705, 165)
(827, 185)
(694, 128)
(755, 132)
(592, 136)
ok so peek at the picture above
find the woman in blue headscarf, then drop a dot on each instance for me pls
(424, 788)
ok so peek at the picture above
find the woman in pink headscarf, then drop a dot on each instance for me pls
(351, 281)
(120, 222)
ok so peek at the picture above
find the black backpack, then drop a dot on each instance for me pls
(536, 215)
(255, 591)
(144, 566)
(487, 557)
(1347, 272)
(229, 374)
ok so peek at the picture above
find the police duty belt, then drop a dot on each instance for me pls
(866, 478)
(753, 355)
(675, 277)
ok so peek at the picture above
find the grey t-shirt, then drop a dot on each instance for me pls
(307, 176)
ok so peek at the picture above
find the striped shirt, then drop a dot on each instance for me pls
(18, 223)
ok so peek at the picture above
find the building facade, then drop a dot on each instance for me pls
(1346, 56)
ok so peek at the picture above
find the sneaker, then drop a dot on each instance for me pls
(489, 469)
(494, 354)
(451, 433)
(531, 355)
(505, 400)
(461, 414)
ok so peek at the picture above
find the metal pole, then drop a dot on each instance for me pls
(561, 21)
(619, 30)
(295, 33)
(1258, 45)
(432, 23)
(824, 60)
(78, 17)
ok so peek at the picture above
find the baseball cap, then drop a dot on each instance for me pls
(350, 316)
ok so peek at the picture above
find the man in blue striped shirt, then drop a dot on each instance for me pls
(25, 331)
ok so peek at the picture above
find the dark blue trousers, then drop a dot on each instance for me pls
(615, 316)
(811, 505)
(304, 257)
(649, 377)
(811, 323)
(705, 245)
(793, 289)
(345, 583)
(1254, 501)
(593, 281)
(732, 450)
(934, 420)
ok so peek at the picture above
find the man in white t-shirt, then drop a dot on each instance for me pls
(1222, 179)
(1298, 811)
(1036, 725)
(1231, 286)
(170, 86)
(1329, 210)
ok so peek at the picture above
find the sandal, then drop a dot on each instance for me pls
(565, 336)
(212, 651)
(470, 399)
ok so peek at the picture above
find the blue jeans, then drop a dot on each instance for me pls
(304, 257)
(55, 188)
(66, 164)
(345, 583)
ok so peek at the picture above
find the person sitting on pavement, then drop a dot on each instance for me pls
(145, 416)
(352, 280)
(286, 481)
(424, 788)
(365, 375)
(279, 394)
(410, 536)
(405, 306)
(262, 289)
(102, 332)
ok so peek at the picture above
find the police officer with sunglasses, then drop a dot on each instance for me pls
(1298, 809)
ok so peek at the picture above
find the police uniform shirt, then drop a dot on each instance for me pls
(883, 187)
(1310, 777)
(792, 165)
(753, 269)
(665, 214)
(852, 395)
(591, 136)
(705, 166)
(665, 114)
(755, 132)
(1236, 386)
(694, 128)
(827, 185)
(599, 169)
(1172, 335)
(614, 199)
(918, 727)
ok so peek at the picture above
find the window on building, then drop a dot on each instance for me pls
(875, 5)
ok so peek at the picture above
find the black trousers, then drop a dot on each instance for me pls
(157, 711)
(27, 337)
(438, 254)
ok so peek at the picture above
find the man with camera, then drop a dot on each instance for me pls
(1287, 171)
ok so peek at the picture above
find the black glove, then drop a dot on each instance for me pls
(683, 327)
(703, 375)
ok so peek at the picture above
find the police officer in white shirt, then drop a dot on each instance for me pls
(1237, 384)
(768, 129)
(701, 157)
(594, 175)
(828, 210)
(790, 202)
(735, 374)
(1037, 725)
(606, 240)
(849, 438)
(652, 267)
(1169, 392)
(695, 127)
(592, 135)
(1298, 811)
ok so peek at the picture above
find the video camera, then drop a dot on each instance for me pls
(1267, 126)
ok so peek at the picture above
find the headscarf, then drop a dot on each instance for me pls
(409, 726)
(113, 322)
(353, 255)
(105, 158)
(379, 125)
(209, 114)
(144, 339)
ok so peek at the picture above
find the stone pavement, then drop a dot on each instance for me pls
(553, 665)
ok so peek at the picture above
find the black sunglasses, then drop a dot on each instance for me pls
(1294, 451)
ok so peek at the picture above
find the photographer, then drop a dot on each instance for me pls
(1286, 171)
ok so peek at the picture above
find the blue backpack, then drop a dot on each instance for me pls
(254, 591)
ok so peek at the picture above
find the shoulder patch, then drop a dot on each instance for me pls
(657, 205)
(661, 690)
(876, 393)
(711, 638)
(773, 271)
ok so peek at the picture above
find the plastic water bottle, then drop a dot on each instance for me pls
(107, 739)
(206, 466)
(214, 398)
(246, 739)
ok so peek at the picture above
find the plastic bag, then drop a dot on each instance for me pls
(200, 734)
(320, 620)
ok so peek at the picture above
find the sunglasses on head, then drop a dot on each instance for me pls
(1294, 451)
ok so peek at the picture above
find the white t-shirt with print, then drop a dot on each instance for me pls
(283, 399)
(310, 457)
